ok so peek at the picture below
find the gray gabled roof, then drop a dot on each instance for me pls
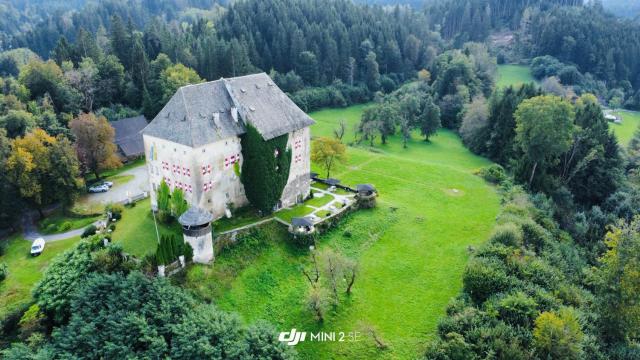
(195, 216)
(365, 187)
(189, 116)
(301, 221)
(128, 135)
(261, 103)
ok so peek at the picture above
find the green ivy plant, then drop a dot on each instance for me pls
(265, 168)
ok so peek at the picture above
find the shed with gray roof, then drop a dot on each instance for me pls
(128, 136)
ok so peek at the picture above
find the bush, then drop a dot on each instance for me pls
(518, 309)
(4, 270)
(507, 234)
(89, 231)
(494, 174)
(115, 208)
(51, 228)
(483, 278)
(112, 227)
(65, 226)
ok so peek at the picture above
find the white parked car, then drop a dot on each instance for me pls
(37, 247)
(99, 188)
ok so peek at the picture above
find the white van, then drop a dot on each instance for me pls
(37, 247)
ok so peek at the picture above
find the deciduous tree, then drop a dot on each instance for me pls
(94, 143)
(327, 152)
(544, 129)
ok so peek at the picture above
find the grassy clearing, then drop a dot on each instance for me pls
(110, 174)
(24, 270)
(59, 222)
(513, 75)
(411, 249)
(136, 231)
(320, 201)
(299, 210)
(625, 130)
(241, 217)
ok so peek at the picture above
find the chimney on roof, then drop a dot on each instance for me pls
(216, 119)
(234, 113)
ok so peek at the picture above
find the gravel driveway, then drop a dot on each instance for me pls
(136, 186)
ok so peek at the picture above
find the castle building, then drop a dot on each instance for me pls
(194, 142)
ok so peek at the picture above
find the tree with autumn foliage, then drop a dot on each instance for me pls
(94, 143)
(326, 152)
(44, 169)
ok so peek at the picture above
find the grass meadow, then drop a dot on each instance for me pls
(25, 270)
(411, 249)
(513, 75)
(625, 130)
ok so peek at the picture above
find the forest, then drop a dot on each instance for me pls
(558, 276)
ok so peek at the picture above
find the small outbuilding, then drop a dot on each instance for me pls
(302, 226)
(197, 231)
(366, 195)
(128, 136)
(365, 190)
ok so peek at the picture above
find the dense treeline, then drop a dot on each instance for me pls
(43, 22)
(596, 42)
(327, 40)
(472, 20)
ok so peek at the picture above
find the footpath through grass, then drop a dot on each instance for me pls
(411, 250)
(25, 270)
(513, 75)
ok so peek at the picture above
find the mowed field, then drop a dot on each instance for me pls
(629, 125)
(411, 249)
(25, 270)
(513, 75)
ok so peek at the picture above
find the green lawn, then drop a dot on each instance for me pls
(58, 222)
(136, 230)
(299, 210)
(24, 270)
(513, 75)
(241, 217)
(320, 201)
(630, 123)
(111, 174)
(411, 249)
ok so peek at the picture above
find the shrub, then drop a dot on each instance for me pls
(188, 252)
(4, 270)
(164, 216)
(534, 235)
(558, 335)
(112, 227)
(51, 228)
(115, 208)
(65, 226)
(484, 277)
(518, 309)
(507, 234)
(494, 174)
(89, 231)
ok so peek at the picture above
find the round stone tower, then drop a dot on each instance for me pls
(196, 228)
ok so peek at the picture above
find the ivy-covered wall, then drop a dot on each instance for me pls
(265, 168)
